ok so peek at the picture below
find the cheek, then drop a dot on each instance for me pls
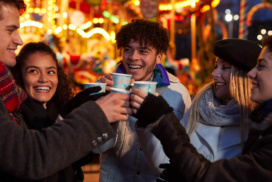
(28, 81)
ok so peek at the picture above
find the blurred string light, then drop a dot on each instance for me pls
(88, 34)
(236, 17)
(228, 17)
(114, 19)
(264, 33)
(187, 3)
(136, 2)
(259, 37)
(31, 23)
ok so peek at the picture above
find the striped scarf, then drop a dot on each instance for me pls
(12, 95)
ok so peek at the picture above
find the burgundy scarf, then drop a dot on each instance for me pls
(12, 95)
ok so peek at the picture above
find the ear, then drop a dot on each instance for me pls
(159, 58)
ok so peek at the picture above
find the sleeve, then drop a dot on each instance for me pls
(150, 144)
(32, 154)
(192, 166)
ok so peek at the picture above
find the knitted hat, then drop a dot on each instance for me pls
(241, 53)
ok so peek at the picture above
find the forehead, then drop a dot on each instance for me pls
(221, 61)
(135, 43)
(40, 59)
(266, 53)
(10, 16)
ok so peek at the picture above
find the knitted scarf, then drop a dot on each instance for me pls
(214, 114)
(12, 95)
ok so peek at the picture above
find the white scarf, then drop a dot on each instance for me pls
(215, 114)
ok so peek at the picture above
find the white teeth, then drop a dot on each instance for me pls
(219, 84)
(134, 67)
(42, 88)
(11, 50)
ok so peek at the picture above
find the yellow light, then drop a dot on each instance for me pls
(186, 3)
(86, 25)
(136, 2)
(64, 27)
(205, 8)
(37, 10)
(65, 14)
(101, 20)
(30, 10)
(31, 23)
(215, 3)
(95, 20)
(58, 30)
(72, 27)
(27, 16)
(99, 31)
(112, 35)
(43, 10)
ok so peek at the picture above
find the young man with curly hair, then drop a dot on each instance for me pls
(143, 44)
(33, 155)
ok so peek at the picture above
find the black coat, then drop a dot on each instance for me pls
(34, 155)
(186, 164)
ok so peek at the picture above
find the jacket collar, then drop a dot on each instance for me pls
(219, 138)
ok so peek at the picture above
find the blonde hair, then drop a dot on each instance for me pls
(240, 86)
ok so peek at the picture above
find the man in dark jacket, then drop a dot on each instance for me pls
(30, 154)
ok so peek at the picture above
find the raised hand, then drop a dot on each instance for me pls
(137, 98)
(115, 106)
(108, 80)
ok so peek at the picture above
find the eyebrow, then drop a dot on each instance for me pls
(13, 26)
(51, 67)
(262, 59)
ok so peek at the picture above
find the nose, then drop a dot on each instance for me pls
(134, 55)
(17, 38)
(252, 73)
(216, 73)
(43, 78)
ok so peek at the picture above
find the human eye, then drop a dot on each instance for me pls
(260, 66)
(51, 72)
(226, 67)
(143, 51)
(127, 49)
(32, 71)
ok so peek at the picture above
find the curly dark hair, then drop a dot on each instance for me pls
(145, 32)
(268, 42)
(19, 4)
(63, 93)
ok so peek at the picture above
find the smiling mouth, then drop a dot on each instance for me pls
(12, 50)
(42, 89)
(134, 68)
(219, 85)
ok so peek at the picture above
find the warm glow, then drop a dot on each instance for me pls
(31, 23)
(186, 3)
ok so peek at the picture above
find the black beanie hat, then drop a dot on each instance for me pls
(243, 54)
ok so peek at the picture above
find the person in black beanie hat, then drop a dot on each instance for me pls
(186, 164)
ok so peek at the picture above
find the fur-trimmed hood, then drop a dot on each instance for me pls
(261, 117)
(265, 124)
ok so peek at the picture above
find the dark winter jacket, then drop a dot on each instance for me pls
(255, 164)
(36, 154)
